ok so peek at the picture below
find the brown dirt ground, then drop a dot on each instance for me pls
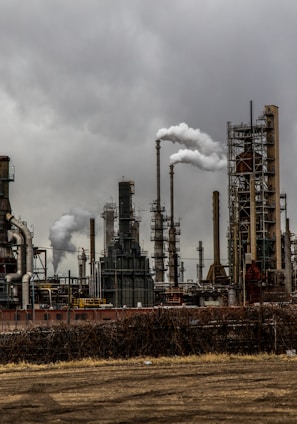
(229, 391)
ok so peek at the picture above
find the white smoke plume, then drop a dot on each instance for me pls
(208, 154)
(61, 231)
(212, 162)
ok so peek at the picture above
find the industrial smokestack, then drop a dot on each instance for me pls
(216, 270)
(216, 227)
(200, 262)
(158, 147)
(171, 173)
(92, 257)
(92, 240)
(159, 228)
(173, 268)
(92, 243)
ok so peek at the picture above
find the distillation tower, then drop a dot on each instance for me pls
(125, 271)
(254, 234)
(158, 226)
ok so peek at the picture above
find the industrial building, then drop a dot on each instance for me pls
(258, 250)
(125, 275)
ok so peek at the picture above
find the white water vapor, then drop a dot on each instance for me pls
(61, 231)
(208, 154)
(213, 162)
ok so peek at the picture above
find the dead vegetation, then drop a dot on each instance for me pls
(164, 332)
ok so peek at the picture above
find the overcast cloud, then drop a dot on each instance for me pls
(85, 85)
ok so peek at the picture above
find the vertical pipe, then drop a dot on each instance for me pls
(216, 228)
(159, 236)
(235, 253)
(200, 261)
(92, 256)
(92, 240)
(172, 235)
(253, 219)
(29, 258)
(251, 117)
(171, 172)
(182, 271)
(158, 147)
(272, 124)
(175, 259)
(69, 299)
(288, 260)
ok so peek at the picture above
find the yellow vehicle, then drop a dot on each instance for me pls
(87, 302)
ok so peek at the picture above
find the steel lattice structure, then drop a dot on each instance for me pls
(254, 194)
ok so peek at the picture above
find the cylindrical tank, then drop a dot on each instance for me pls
(231, 297)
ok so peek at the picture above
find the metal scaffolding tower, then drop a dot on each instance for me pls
(254, 233)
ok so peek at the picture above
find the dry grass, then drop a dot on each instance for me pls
(162, 361)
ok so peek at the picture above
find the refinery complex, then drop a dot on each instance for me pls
(261, 256)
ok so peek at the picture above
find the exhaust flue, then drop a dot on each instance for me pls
(216, 271)
(159, 228)
(173, 267)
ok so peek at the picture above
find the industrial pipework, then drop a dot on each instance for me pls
(29, 258)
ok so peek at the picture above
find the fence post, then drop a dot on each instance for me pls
(275, 335)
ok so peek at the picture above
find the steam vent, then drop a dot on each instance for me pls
(125, 273)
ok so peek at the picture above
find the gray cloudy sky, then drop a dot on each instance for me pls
(85, 85)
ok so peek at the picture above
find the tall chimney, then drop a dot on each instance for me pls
(92, 257)
(216, 227)
(200, 261)
(158, 148)
(216, 271)
(172, 234)
(159, 230)
(92, 240)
